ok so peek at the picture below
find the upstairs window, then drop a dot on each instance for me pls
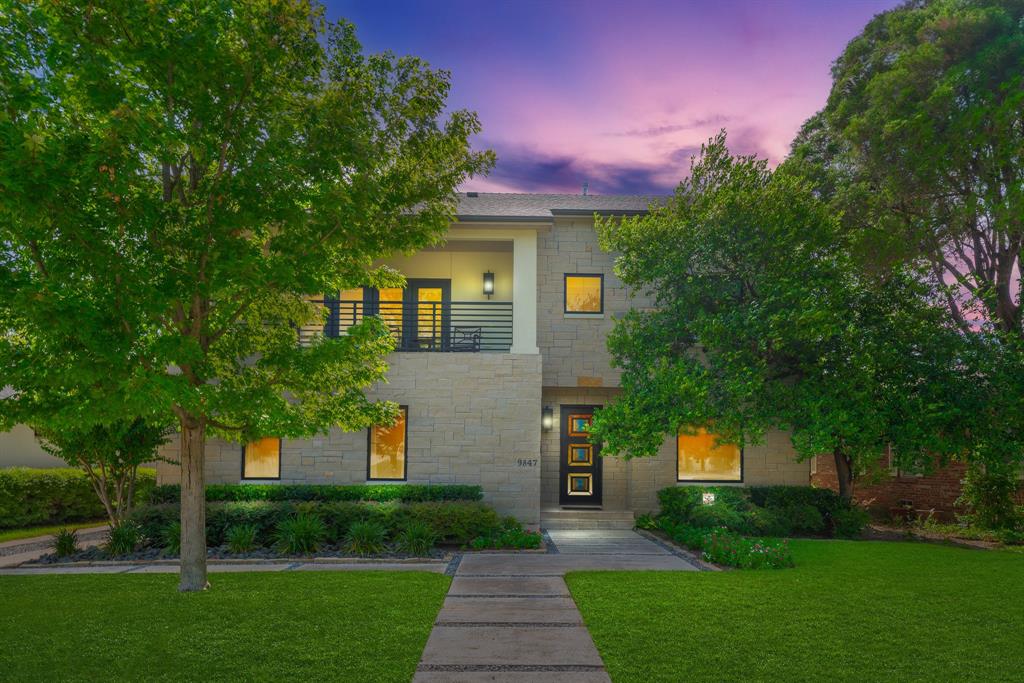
(584, 293)
(262, 459)
(700, 458)
(388, 448)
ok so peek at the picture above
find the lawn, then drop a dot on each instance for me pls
(32, 531)
(351, 626)
(850, 611)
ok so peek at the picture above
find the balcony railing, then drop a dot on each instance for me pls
(455, 326)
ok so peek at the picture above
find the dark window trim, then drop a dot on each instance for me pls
(743, 464)
(280, 461)
(405, 452)
(565, 293)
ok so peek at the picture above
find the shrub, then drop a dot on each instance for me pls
(416, 539)
(679, 501)
(804, 518)
(265, 515)
(366, 538)
(172, 538)
(241, 538)
(124, 539)
(645, 522)
(152, 522)
(988, 492)
(849, 523)
(65, 542)
(34, 497)
(301, 534)
(381, 493)
(732, 550)
(718, 514)
(766, 522)
(456, 523)
(826, 501)
(517, 539)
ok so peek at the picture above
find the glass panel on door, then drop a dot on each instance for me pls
(428, 317)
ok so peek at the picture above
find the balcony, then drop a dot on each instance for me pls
(421, 325)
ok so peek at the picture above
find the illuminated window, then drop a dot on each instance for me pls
(701, 459)
(262, 459)
(388, 448)
(584, 293)
(390, 307)
(350, 308)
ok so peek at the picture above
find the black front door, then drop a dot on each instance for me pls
(579, 460)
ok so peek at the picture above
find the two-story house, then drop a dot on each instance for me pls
(500, 365)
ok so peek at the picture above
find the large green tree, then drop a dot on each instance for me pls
(926, 116)
(762, 320)
(920, 149)
(177, 180)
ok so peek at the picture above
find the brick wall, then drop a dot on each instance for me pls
(472, 418)
(937, 491)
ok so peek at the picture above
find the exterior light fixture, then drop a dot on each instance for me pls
(547, 419)
(489, 284)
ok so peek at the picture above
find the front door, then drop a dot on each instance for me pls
(580, 461)
(427, 314)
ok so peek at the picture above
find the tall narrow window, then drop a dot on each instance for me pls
(262, 459)
(700, 458)
(350, 308)
(584, 293)
(388, 448)
(390, 299)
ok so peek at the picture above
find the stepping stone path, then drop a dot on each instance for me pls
(510, 617)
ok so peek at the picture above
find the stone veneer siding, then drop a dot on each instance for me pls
(472, 419)
(573, 346)
(634, 484)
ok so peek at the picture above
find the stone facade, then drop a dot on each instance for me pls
(573, 345)
(634, 484)
(473, 419)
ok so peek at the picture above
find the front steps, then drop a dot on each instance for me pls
(580, 519)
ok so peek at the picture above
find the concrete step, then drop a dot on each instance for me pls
(560, 518)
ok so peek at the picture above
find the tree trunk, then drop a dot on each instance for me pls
(193, 506)
(844, 474)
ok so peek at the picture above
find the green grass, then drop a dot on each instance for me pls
(32, 531)
(351, 626)
(850, 611)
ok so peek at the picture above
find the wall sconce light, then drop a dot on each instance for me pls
(489, 284)
(547, 419)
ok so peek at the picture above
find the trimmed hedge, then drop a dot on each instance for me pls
(763, 510)
(380, 493)
(36, 497)
(456, 522)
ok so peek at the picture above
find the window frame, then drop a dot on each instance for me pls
(405, 449)
(565, 294)
(280, 461)
(743, 463)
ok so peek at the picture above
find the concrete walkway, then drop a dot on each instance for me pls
(509, 617)
(13, 553)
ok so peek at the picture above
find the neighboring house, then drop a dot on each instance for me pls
(500, 365)
(20, 448)
(901, 493)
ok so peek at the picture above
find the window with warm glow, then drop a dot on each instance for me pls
(262, 459)
(584, 294)
(390, 306)
(350, 308)
(700, 458)
(388, 449)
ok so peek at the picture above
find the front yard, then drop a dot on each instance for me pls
(351, 626)
(850, 611)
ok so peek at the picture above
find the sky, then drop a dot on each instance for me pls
(619, 95)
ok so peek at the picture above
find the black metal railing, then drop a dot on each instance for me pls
(450, 326)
